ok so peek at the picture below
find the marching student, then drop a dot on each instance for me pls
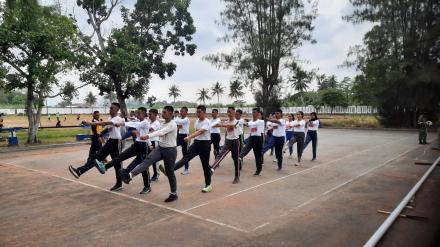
(182, 132)
(240, 125)
(289, 132)
(269, 140)
(312, 133)
(298, 135)
(138, 149)
(154, 126)
(255, 141)
(201, 147)
(215, 132)
(112, 147)
(232, 144)
(278, 136)
(166, 151)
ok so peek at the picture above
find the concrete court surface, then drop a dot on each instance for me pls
(329, 202)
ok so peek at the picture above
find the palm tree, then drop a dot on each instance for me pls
(301, 81)
(90, 99)
(236, 89)
(218, 90)
(174, 92)
(203, 95)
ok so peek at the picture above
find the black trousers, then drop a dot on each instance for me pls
(138, 149)
(168, 155)
(154, 144)
(299, 140)
(94, 147)
(181, 142)
(112, 147)
(254, 143)
(202, 149)
(232, 146)
(215, 140)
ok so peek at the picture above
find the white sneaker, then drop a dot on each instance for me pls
(185, 172)
(275, 161)
(297, 164)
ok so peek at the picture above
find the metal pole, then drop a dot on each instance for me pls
(374, 239)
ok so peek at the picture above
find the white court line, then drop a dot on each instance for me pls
(292, 174)
(338, 186)
(131, 197)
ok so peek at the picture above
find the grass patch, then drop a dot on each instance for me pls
(47, 136)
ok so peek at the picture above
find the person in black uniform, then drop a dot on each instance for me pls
(95, 137)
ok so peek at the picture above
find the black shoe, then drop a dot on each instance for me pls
(117, 187)
(257, 174)
(279, 169)
(74, 172)
(236, 180)
(146, 190)
(171, 198)
(154, 178)
(125, 176)
(313, 159)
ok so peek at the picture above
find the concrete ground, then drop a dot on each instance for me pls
(330, 202)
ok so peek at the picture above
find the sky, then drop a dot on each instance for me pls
(334, 38)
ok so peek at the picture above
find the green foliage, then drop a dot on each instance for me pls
(399, 61)
(36, 44)
(134, 52)
(12, 98)
(90, 99)
(236, 89)
(333, 97)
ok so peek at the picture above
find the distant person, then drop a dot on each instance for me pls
(255, 141)
(182, 132)
(278, 125)
(215, 132)
(58, 116)
(423, 128)
(238, 114)
(289, 132)
(78, 116)
(176, 114)
(65, 117)
(58, 124)
(312, 133)
(1, 121)
(48, 117)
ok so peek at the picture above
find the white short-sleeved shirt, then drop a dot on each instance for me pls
(240, 126)
(232, 132)
(256, 127)
(313, 125)
(182, 125)
(302, 124)
(279, 130)
(115, 132)
(143, 127)
(215, 130)
(289, 124)
(155, 126)
(206, 125)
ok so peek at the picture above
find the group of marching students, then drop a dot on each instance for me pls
(157, 140)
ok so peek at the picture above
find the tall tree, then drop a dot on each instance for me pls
(217, 89)
(236, 89)
(203, 95)
(174, 91)
(90, 99)
(151, 101)
(333, 97)
(126, 60)
(36, 45)
(399, 60)
(266, 35)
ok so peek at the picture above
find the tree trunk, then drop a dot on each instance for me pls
(121, 101)
(33, 117)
